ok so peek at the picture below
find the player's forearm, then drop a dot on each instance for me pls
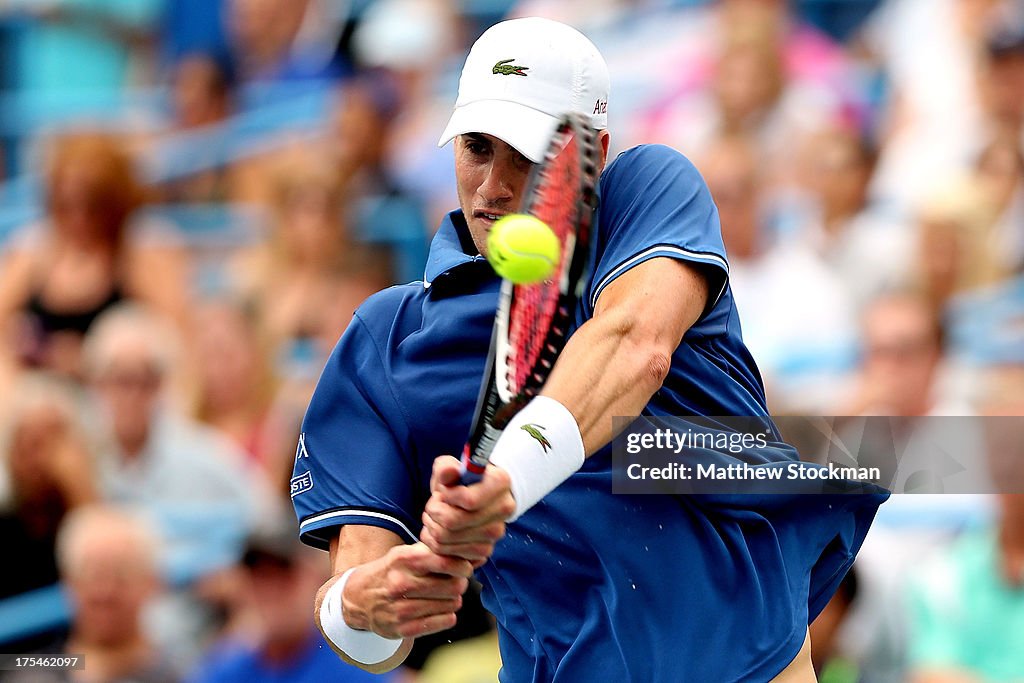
(346, 652)
(606, 372)
(384, 594)
(616, 361)
(356, 545)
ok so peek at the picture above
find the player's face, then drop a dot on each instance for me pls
(491, 177)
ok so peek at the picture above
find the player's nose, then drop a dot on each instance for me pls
(497, 184)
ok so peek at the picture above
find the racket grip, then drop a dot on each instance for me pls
(471, 472)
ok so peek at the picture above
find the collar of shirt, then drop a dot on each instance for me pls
(450, 269)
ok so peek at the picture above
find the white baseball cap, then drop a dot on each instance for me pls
(521, 77)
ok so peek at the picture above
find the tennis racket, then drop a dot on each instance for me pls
(532, 321)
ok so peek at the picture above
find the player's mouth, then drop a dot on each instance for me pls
(487, 217)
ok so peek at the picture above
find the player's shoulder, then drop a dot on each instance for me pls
(650, 159)
(649, 170)
(382, 310)
(658, 172)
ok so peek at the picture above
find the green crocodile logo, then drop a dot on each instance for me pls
(534, 431)
(505, 69)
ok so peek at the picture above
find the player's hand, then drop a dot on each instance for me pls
(466, 521)
(408, 592)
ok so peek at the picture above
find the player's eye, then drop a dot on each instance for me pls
(476, 146)
(522, 163)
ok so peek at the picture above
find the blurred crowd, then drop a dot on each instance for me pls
(170, 287)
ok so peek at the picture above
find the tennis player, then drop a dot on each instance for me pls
(585, 585)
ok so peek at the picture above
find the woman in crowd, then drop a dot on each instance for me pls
(87, 254)
(311, 274)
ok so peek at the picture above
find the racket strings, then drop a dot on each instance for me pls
(533, 321)
(539, 320)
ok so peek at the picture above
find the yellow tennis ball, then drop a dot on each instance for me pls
(522, 249)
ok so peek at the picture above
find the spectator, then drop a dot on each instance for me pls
(237, 388)
(284, 39)
(744, 97)
(920, 436)
(85, 257)
(800, 349)
(400, 45)
(312, 273)
(283, 643)
(733, 173)
(1000, 170)
(48, 468)
(362, 138)
(934, 119)
(957, 246)
(109, 563)
(902, 343)
(360, 135)
(262, 32)
(750, 79)
(190, 477)
(868, 250)
(1002, 76)
(769, 76)
(967, 605)
(202, 91)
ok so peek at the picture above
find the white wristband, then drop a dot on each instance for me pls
(364, 647)
(540, 448)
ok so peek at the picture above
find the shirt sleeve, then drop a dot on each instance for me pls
(353, 462)
(654, 203)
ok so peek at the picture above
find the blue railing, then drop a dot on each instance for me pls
(35, 611)
(270, 116)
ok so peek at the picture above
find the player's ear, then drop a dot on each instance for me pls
(604, 139)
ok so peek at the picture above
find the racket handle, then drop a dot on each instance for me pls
(471, 472)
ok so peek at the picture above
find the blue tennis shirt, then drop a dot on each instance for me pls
(587, 585)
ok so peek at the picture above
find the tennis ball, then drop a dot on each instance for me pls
(522, 249)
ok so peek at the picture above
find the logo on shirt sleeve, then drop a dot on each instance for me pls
(301, 483)
(300, 450)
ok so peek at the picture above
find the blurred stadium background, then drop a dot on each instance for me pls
(196, 194)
